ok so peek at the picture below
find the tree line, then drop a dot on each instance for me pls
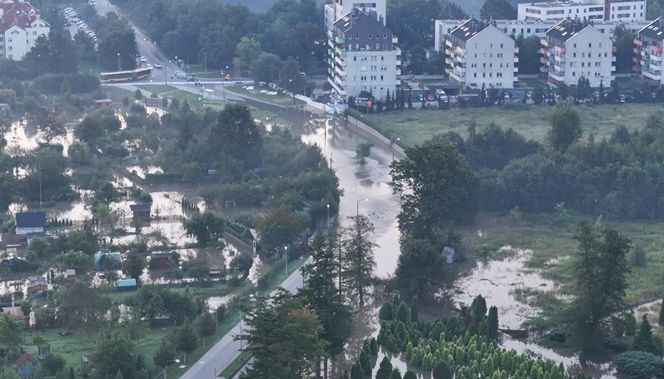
(292, 336)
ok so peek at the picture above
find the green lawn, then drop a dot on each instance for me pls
(72, 347)
(551, 237)
(279, 99)
(532, 121)
(117, 94)
(158, 88)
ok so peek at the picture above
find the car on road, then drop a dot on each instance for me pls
(158, 65)
(143, 59)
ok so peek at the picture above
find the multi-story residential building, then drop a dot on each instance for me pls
(574, 49)
(648, 51)
(340, 8)
(363, 56)
(528, 28)
(20, 26)
(480, 55)
(593, 10)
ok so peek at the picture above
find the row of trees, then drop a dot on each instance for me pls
(206, 31)
(290, 336)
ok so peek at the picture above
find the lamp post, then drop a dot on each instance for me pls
(205, 61)
(290, 84)
(398, 140)
(286, 248)
(357, 214)
(328, 217)
(118, 61)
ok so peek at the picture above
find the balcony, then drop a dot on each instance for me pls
(449, 61)
(544, 60)
(655, 58)
(395, 40)
(340, 71)
(516, 50)
(448, 43)
(544, 69)
(544, 42)
(559, 50)
(516, 60)
(654, 75)
(557, 75)
(656, 50)
(338, 39)
(460, 58)
(459, 50)
(638, 42)
(457, 76)
(544, 51)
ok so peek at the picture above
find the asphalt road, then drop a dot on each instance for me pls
(146, 47)
(227, 349)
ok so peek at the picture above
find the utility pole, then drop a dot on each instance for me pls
(118, 61)
(40, 188)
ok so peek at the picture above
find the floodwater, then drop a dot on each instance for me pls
(366, 188)
(23, 136)
(496, 280)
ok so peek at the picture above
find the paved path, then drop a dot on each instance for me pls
(227, 349)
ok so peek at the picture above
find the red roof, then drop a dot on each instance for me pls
(17, 13)
(25, 358)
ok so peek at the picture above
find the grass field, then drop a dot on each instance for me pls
(532, 121)
(279, 99)
(551, 238)
(117, 94)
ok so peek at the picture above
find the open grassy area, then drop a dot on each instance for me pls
(117, 94)
(532, 121)
(551, 238)
(158, 88)
(259, 93)
(72, 347)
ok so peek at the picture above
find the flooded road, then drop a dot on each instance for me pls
(370, 181)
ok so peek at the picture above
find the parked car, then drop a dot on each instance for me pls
(158, 65)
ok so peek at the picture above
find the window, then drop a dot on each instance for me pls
(370, 36)
(590, 44)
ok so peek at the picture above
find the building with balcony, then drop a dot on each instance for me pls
(573, 49)
(590, 10)
(479, 55)
(648, 51)
(20, 26)
(363, 55)
(529, 28)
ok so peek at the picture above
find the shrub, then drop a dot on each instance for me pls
(78, 83)
(386, 311)
(639, 365)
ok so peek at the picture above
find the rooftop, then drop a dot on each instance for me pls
(470, 28)
(31, 219)
(654, 30)
(567, 28)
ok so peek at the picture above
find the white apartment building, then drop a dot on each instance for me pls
(479, 55)
(592, 10)
(528, 28)
(574, 49)
(20, 26)
(648, 51)
(363, 56)
(340, 8)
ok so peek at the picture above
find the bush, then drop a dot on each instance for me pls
(386, 312)
(639, 365)
(79, 83)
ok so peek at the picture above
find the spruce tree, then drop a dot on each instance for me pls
(409, 375)
(396, 374)
(492, 322)
(356, 371)
(413, 309)
(385, 369)
(643, 341)
(442, 371)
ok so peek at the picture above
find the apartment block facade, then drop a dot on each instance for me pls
(363, 56)
(20, 26)
(648, 51)
(529, 28)
(590, 10)
(574, 49)
(479, 55)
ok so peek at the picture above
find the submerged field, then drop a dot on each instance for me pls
(532, 121)
(551, 239)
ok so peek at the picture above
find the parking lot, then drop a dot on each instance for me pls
(75, 24)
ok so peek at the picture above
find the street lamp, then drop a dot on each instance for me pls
(290, 81)
(118, 61)
(328, 217)
(286, 248)
(398, 140)
(358, 206)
